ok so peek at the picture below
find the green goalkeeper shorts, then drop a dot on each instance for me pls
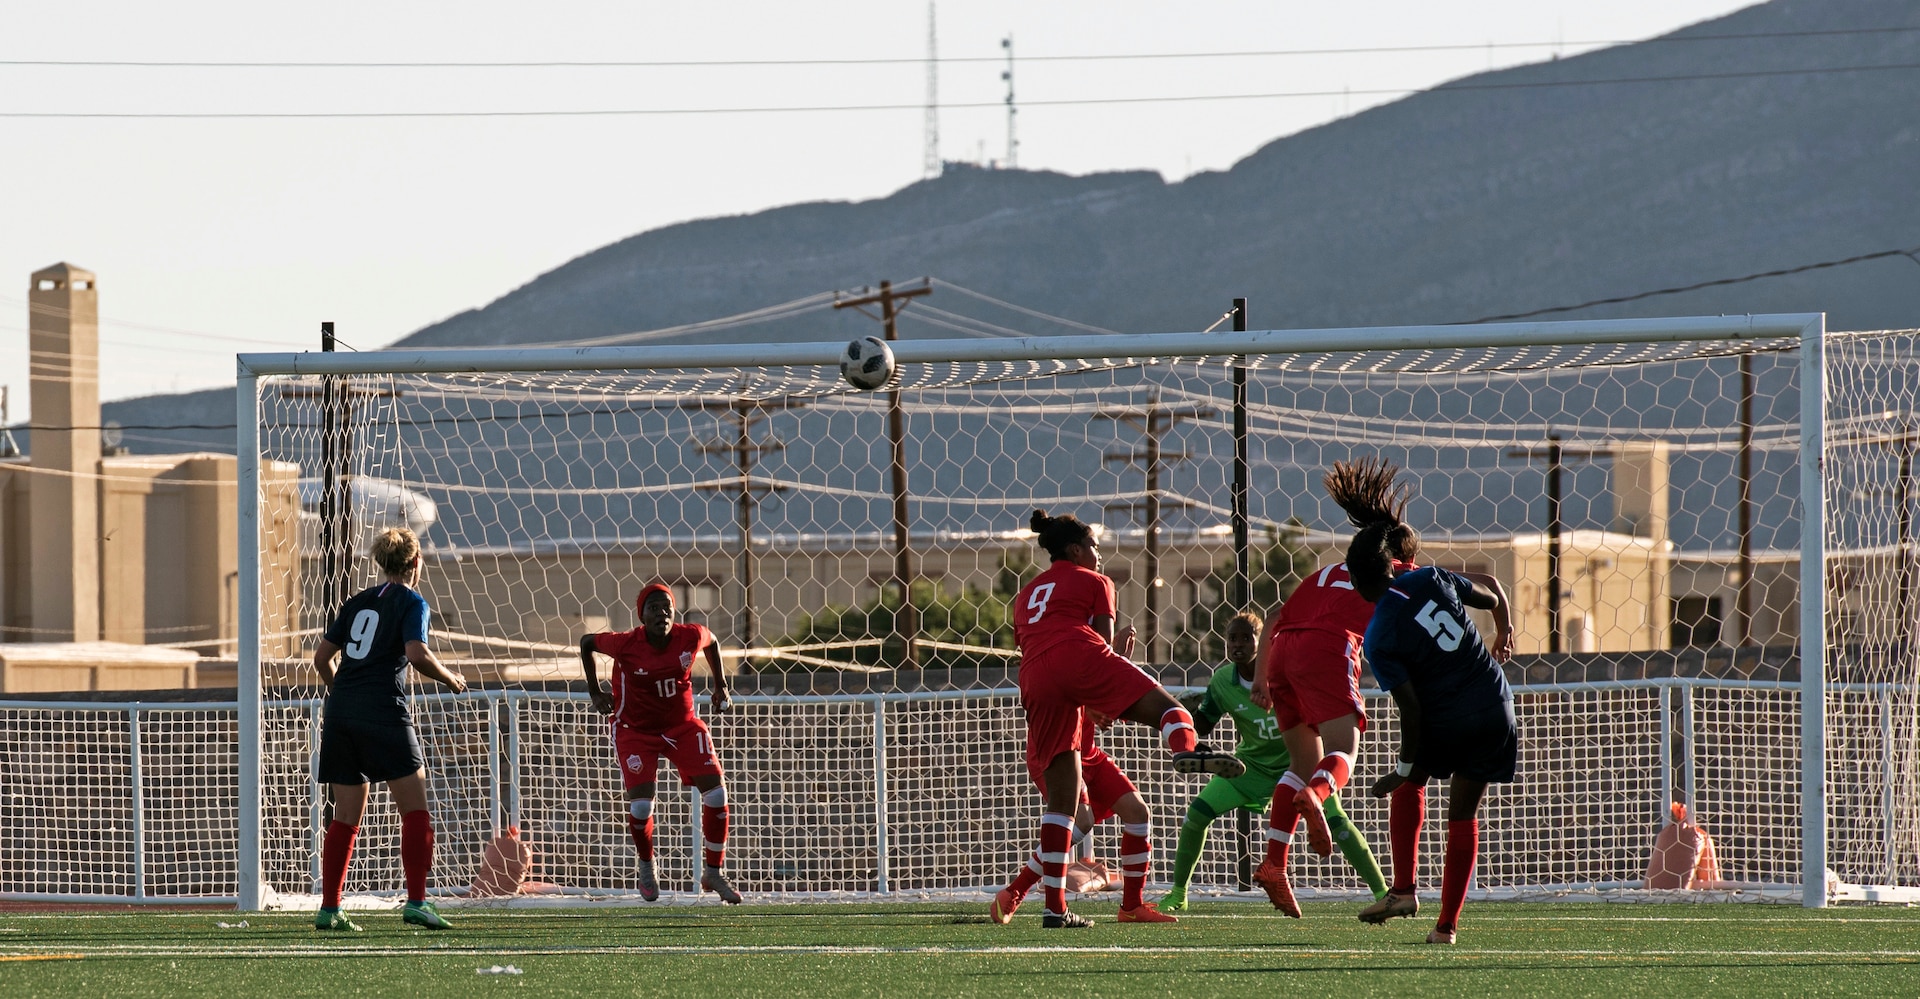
(1253, 789)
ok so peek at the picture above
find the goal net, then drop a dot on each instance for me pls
(1640, 487)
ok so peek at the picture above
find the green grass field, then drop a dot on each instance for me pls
(1221, 949)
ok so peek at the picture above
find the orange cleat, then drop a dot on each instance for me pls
(1144, 913)
(1004, 904)
(1319, 836)
(1273, 878)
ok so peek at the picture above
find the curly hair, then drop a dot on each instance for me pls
(1057, 533)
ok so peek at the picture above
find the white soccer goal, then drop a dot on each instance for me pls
(1705, 524)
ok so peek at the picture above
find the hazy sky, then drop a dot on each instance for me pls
(224, 234)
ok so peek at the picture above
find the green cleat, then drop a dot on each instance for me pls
(334, 919)
(1174, 901)
(424, 914)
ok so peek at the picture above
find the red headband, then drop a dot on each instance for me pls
(640, 602)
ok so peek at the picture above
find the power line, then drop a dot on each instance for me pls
(1444, 88)
(1913, 255)
(902, 60)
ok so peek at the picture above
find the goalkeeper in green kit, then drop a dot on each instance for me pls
(1258, 745)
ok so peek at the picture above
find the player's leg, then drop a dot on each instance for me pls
(1061, 779)
(1220, 796)
(1157, 708)
(638, 755)
(1007, 900)
(1283, 819)
(1338, 738)
(1136, 855)
(1354, 847)
(349, 802)
(640, 830)
(713, 833)
(1406, 813)
(1463, 848)
(416, 848)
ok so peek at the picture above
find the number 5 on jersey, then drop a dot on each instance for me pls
(1445, 629)
(1037, 601)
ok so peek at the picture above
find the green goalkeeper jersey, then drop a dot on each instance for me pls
(1256, 732)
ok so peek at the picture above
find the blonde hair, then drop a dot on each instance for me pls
(395, 549)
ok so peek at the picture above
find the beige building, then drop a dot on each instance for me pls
(118, 548)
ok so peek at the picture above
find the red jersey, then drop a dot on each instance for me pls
(1327, 602)
(1055, 607)
(653, 688)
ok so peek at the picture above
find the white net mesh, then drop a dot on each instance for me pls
(1656, 610)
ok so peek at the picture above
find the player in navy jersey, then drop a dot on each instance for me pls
(368, 735)
(1456, 710)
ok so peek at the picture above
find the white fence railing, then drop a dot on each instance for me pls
(896, 792)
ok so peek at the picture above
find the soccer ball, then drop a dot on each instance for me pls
(868, 363)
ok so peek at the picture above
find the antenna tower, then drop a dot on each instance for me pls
(932, 166)
(1013, 144)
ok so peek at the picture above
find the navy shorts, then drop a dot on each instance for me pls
(361, 751)
(1483, 746)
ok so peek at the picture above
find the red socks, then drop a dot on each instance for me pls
(1056, 837)
(713, 826)
(1463, 846)
(1331, 775)
(1283, 820)
(1135, 857)
(1406, 811)
(642, 832)
(334, 854)
(1029, 876)
(1176, 726)
(416, 852)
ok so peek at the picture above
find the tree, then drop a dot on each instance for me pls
(973, 616)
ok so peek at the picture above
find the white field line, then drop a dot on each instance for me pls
(1476, 915)
(1397, 949)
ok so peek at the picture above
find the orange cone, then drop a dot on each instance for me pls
(503, 866)
(1682, 855)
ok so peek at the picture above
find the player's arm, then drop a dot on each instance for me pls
(1259, 694)
(1485, 593)
(1408, 704)
(430, 665)
(720, 698)
(602, 701)
(323, 656)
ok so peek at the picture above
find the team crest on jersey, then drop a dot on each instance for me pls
(686, 660)
(634, 763)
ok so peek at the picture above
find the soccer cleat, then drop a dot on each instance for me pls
(1273, 878)
(424, 914)
(334, 919)
(1393, 906)
(1440, 936)
(1319, 835)
(1175, 901)
(1204, 759)
(1087, 876)
(1064, 921)
(1004, 904)
(717, 883)
(1144, 913)
(649, 888)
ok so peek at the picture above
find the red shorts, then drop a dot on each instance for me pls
(1314, 677)
(687, 744)
(1057, 684)
(1102, 782)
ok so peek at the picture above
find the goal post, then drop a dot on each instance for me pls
(555, 476)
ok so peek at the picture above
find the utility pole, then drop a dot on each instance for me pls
(1153, 421)
(906, 623)
(745, 448)
(932, 166)
(1556, 461)
(1013, 144)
